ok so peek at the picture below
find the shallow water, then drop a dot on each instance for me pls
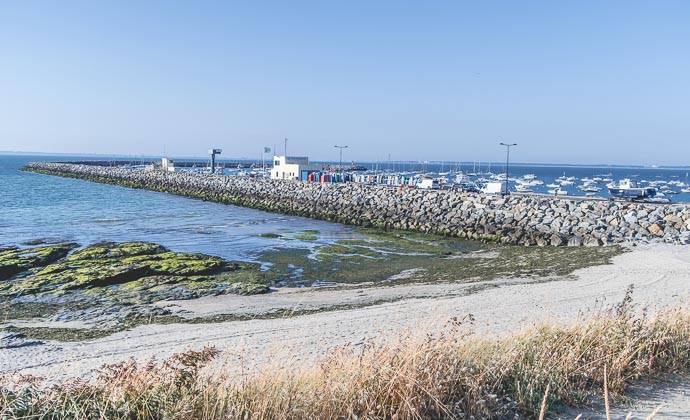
(299, 251)
(46, 207)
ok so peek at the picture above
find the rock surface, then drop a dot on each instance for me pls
(129, 272)
(14, 260)
(524, 220)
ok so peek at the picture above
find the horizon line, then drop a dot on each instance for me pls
(426, 161)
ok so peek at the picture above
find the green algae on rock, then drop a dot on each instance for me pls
(110, 250)
(395, 257)
(305, 237)
(14, 260)
(109, 287)
(137, 271)
(271, 235)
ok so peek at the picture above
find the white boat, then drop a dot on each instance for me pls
(529, 180)
(523, 188)
(565, 178)
(558, 191)
(443, 182)
(461, 177)
(552, 185)
(589, 188)
(628, 188)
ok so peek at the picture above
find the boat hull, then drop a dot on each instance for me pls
(632, 192)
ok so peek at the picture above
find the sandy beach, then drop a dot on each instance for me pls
(660, 274)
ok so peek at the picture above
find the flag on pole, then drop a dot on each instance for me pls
(267, 150)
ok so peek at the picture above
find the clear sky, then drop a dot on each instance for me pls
(571, 82)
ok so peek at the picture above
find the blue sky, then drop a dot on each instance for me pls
(570, 82)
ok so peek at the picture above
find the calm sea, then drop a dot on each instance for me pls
(60, 209)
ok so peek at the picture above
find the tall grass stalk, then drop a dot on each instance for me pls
(446, 375)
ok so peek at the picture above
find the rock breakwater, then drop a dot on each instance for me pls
(517, 219)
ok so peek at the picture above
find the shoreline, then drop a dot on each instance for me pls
(660, 273)
(293, 328)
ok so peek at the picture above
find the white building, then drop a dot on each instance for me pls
(494, 188)
(168, 164)
(292, 167)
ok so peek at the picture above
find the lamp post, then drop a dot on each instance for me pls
(507, 162)
(341, 158)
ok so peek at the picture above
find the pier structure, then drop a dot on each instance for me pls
(513, 219)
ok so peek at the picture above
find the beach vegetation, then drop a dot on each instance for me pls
(450, 374)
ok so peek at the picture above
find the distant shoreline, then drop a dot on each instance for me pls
(433, 162)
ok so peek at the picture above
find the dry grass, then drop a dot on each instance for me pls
(449, 375)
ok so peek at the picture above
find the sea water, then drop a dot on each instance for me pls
(51, 208)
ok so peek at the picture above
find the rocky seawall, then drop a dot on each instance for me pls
(517, 219)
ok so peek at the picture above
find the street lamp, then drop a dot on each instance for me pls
(507, 162)
(341, 158)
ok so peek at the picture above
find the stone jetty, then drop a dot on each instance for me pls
(515, 219)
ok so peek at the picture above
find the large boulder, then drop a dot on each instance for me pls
(656, 230)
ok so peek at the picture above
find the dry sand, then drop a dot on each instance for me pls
(660, 273)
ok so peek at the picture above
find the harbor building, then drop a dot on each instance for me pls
(292, 167)
(168, 164)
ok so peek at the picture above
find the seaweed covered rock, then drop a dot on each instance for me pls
(14, 260)
(110, 250)
(244, 279)
(139, 272)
